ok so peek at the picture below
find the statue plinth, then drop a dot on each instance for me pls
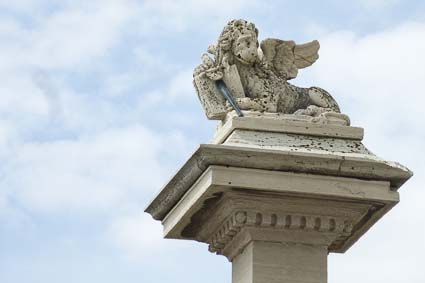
(276, 193)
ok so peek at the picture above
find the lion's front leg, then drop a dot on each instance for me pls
(313, 110)
(254, 104)
(245, 103)
(324, 115)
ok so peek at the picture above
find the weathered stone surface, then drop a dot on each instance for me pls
(283, 123)
(229, 207)
(212, 100)
(258, 77)
(277, 226)
(275, 193)
(269, 143)
(274, 262)
(294, 142)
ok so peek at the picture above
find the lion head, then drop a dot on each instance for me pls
(239, 40)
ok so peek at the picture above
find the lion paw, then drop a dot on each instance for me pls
(313, 111)
(321, 115)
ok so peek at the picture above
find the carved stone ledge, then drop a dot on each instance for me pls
(338, 228)
(285, 123)
(228, 208)
(278, 183)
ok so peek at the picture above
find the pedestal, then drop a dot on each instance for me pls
(276, 193)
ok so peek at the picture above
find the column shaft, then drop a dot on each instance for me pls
(272, 262)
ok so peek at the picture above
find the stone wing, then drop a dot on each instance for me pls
(286, 57)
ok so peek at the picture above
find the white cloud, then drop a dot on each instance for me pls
(149, 66)
(182, 15)
(378, 4)
(381, 74)
(92, 173)
(23, 105)
(27, 7)
(46, 38)
(138, 236)
(181, 86)
(22, 95)
(74, 37)
(63, 35)
(178, 89)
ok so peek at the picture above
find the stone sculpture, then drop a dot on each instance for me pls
(285, 181)
(257, 75)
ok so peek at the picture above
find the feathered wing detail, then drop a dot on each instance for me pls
(306, 54)
(286, 57)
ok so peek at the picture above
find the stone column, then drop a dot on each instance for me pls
(273, 262)
(275, 194)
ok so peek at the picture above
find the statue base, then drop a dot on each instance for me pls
(275, 194)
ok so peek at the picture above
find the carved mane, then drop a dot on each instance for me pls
(232, 31)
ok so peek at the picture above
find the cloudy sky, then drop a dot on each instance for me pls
(97, 111)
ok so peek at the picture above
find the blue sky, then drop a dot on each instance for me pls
(97, 111)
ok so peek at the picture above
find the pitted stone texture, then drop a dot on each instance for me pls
(286, 123)
(257, 78)
(366, 167)
(281, 185)
(294, 142)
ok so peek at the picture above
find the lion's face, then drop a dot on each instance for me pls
(245, 48)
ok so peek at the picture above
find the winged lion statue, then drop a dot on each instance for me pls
(256, 75)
